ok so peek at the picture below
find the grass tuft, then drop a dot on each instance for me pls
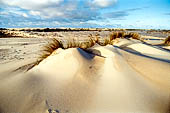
(87, 44)
(115, 35)
(104, 42)
(48, 49)
(167, 41)
(76, 44)
(72, 44)
(92, 40)
(134, 35)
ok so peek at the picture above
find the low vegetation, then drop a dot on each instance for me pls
(88, 44)
(72, 43)
(167, 41)
(48, 49)
(115, 35)
(5, 34)
(134, 35)
(77, 44)
(54, 44)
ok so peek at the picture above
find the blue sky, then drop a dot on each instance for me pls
(141, 14)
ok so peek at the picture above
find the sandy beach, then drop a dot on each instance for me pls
(129, 76)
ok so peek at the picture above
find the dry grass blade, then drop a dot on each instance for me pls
(113, 38)
(104, 42)
(72, 44)
(134, 35)
(167, 41)
(53, 45)
(89, 43)
(115, 35)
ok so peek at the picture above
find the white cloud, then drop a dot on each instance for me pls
(33, 4)
(60, 10)
(14, 11)
(4, 13)
(34, 13)
(20, 13)
(44, 8)
(102, 3)
(25, 15)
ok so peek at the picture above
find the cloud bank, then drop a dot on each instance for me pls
(73, 13)
(61, 8)
(56, 11)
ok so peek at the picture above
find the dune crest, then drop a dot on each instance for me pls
(99, 79)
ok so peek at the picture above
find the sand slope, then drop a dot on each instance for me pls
(111, 79)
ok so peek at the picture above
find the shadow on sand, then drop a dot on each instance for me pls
(89, 53)
(140, 54)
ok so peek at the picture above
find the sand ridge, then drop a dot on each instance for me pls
(101, 79)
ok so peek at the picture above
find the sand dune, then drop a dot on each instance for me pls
(98, 80)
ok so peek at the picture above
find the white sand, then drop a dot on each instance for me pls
(150, 51)
(75, 81)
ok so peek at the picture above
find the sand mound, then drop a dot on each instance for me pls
(99, 80)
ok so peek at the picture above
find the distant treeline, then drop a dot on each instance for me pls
(81, 29)
(59, 29)
(3, 29)
(52, 30)
(77, 29)
(87, 29)
(152, 30)
(5, 34)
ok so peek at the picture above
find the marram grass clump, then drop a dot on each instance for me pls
(72, 43)
(48, 49)
(103, 42)
(115, 35)
(167, 41)
(87, 44)
(134, 35)
(80, 44)
(54, 44)
(92, 40)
